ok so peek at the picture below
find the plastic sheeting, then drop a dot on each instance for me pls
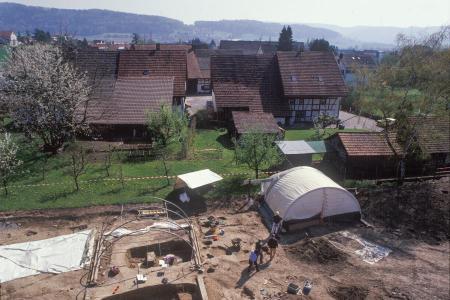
(55, 255)
(304, 192)
(370, 252)
(197, 179)
(159, 225)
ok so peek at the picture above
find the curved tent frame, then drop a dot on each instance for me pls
(299, 188)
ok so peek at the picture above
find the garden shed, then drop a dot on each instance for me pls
(305, 193)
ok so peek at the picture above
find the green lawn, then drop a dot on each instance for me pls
(29, 190)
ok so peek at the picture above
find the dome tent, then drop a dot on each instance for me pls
(305, 193)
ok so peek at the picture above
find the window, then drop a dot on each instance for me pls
(300, 115)
(323, 101)
(293, 78)
(146, 72)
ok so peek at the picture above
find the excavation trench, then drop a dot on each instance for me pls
(180, 249)
(184, 291)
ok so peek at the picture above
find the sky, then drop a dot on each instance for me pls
(401, 13)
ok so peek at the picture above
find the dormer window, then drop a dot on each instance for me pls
(293, 78)
(146, 72)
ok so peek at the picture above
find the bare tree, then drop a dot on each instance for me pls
(44, 94)
(107, 163)
(78, 165)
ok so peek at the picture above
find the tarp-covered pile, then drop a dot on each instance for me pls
(55, 255)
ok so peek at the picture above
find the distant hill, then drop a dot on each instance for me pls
(380, 34)
(106, 24)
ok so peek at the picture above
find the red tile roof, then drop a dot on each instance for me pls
(433, 133)
(247, 81)
(172, 63)
(6, 35)
(433, 136)
(245, 121)
(366, 143)
(131, 100)
(162, 47)
(193, 67)
(310, 74)
(98, 64)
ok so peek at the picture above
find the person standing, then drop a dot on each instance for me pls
(253, 260)
(273, 245)
(258, 247)
(277, 222)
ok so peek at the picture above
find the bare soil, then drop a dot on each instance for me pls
(318, 250)
(349, 292)
(417, 267)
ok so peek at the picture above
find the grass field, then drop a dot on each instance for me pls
(30, 190)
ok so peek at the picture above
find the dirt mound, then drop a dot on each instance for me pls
(316, 250)
(419, 208)
(349, 292)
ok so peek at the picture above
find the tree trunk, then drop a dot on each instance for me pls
(75, 178)
(5, 187)
(166, 171)
(257, 172)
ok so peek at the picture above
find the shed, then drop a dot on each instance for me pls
(305, 194)
(298, 153)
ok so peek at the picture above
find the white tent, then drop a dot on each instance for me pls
(197, 179)
(302, 193)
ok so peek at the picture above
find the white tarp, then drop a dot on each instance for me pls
(158, 225)
(370, 252)
(55, 255)
(199, 178)
(295, 147)
(304, 192)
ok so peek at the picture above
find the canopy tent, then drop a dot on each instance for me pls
(304, 193)
(197, 179)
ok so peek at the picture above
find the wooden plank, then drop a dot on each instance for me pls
(202, 287)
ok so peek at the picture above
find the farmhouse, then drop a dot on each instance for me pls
(312, 85)
(295, 87)
(126, 85)
(368, 155)
(246, 83)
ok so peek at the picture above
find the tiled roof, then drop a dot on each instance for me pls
(366, 143)
(98, 64)
(193, 67)
(254, 47)
(204, 58)
(172, 63)
(131, 100)
(6, 35)
(245, 121)
(311, 73)
(433, 133)
(162, 47)
(247, 81)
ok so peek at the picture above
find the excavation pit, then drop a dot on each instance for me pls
(180, 249)
(182, 291)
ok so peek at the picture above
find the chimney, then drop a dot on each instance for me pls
(158, 46)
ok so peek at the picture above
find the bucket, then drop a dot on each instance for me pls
(307, 288)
